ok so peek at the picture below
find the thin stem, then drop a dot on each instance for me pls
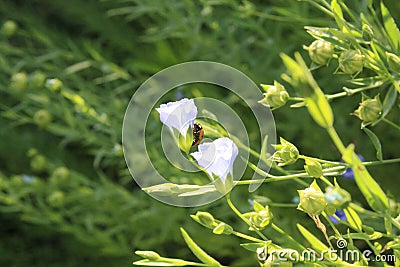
(240, 215)
(322, 160)
(331, 224)
(336, 139)
(298, 246)
(391, 123)
(326, 181)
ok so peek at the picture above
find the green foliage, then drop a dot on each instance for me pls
(67, 72)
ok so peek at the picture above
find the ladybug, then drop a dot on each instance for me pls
(198, 134)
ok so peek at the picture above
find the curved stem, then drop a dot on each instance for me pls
(391, 123)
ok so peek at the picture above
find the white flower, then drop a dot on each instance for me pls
(217, 157)
(179, 114)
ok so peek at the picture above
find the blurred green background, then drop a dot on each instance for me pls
(67, 72)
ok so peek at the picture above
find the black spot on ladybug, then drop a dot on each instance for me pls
(198, 134)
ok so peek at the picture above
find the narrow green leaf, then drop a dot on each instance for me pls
(197, 251)
(303, 81)
(390, 99)
(353, 219)
(254, 246)
(370, 189)
(363, 236)
(390, 26)
(314, 241)
(146, 262)
(375, 141)
(337, 13)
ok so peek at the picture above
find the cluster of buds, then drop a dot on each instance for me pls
(275, 96)
(351, 61)
(312, 200)
(260, 218)
(370, 110)
(286, 153)
(320, 52)
(207, 220)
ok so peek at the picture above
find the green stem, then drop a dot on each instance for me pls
(336, 139)
(296, 244)
(323, 161)
(240, 215)
(391, 123)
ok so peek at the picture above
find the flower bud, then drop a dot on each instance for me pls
(59, 175)
(19, 81)
(351, 61)
(313, 168)
(312, 200)
(320, 52)
(367, 33)
(204, 218)
(223, 228)
(150, 255)
(56, 199)
(42, 118)
(393, 62)
(38, 163)
(54, 84)
(261, 219)
(275, 96)
(9, 28)
(286, 153)
(37, 79)
(369, 110)
(337, 197)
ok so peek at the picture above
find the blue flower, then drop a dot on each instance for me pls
(349, 174)
(28, 178)
(340, 214)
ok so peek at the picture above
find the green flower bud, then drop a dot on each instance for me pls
(32, 152)
(320, 52)
(223, 228)
(351, 61)
(38, 163)
(37, 79)
(286, 153)
(54, 84)
(337, 197)
(275, 96)
(313, 168)
(59, 175)
(368, 230)
(261, 219)
(367, 33)
(312, 200)
(369, 110)
(19, 81)
(150, 255)
(393, 62)
(204, 218)
(42, 118)
(9, 28)
(56, 199)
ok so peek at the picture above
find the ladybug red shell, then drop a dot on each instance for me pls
(198, 134)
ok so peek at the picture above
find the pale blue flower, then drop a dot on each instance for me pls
(178, 115)
(217, 157)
